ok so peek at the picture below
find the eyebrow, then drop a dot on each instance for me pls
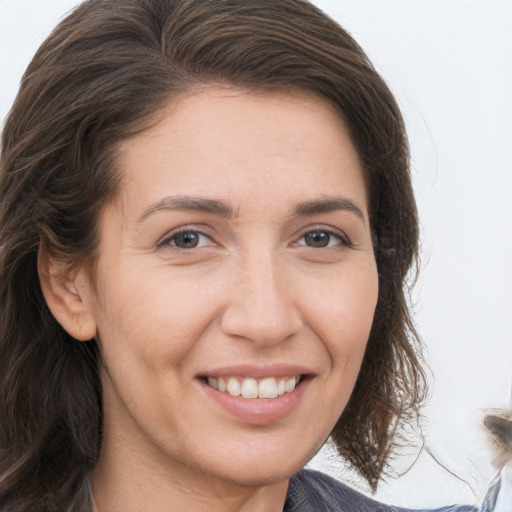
(201, 204)
(226, 210)
(326, 205)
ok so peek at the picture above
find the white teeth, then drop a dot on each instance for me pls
(250, 388)
(289, 384)
(233, 387)
(268, 388)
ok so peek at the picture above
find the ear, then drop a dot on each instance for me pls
(68, 293)
(500, 427)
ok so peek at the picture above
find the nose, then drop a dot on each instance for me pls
(261, 305)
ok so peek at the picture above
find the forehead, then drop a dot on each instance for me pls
(221, 140)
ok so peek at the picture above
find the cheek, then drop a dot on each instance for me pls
(151, 318)
(344, 317)
(344, 331)
(345, 308)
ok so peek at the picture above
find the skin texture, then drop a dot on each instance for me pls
(255, 291)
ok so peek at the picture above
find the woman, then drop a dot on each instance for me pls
(206, 224)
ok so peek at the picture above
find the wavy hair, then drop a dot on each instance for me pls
(97, 80)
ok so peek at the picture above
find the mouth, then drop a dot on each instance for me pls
(254, 388)
(258, 395)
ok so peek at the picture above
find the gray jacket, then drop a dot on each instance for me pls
(311, 491)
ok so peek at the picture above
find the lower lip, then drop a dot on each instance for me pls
(259, 411)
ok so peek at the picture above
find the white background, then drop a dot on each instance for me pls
(449, 62)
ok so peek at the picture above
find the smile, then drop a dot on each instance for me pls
(251, 388)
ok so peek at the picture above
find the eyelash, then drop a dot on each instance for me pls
(344, 240)
(170, 240)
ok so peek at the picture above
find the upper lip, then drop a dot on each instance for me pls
(258, 371)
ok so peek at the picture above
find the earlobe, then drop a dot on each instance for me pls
(68, 293)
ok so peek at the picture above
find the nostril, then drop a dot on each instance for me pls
(260, 327)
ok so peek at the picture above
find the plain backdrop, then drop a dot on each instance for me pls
(449, 63)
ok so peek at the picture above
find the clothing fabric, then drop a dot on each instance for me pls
(312, 491)
(499, 497)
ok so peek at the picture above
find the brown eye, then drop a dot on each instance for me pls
(187, 240)
(323, 239)
(317, 239)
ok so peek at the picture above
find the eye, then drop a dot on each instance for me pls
(186, 240)
(323, 239)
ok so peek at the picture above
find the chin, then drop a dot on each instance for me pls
(261, 475)
(266, 465)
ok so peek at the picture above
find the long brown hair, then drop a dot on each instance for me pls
(97, 80)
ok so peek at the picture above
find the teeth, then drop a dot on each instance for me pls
(268, 388)
(233, 387)
(250, 388)
(289, 384)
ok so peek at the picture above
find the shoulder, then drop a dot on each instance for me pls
(312, 491)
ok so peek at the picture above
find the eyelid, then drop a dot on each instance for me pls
(165, 240)
(345, 240)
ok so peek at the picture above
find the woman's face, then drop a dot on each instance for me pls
(237, 258)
